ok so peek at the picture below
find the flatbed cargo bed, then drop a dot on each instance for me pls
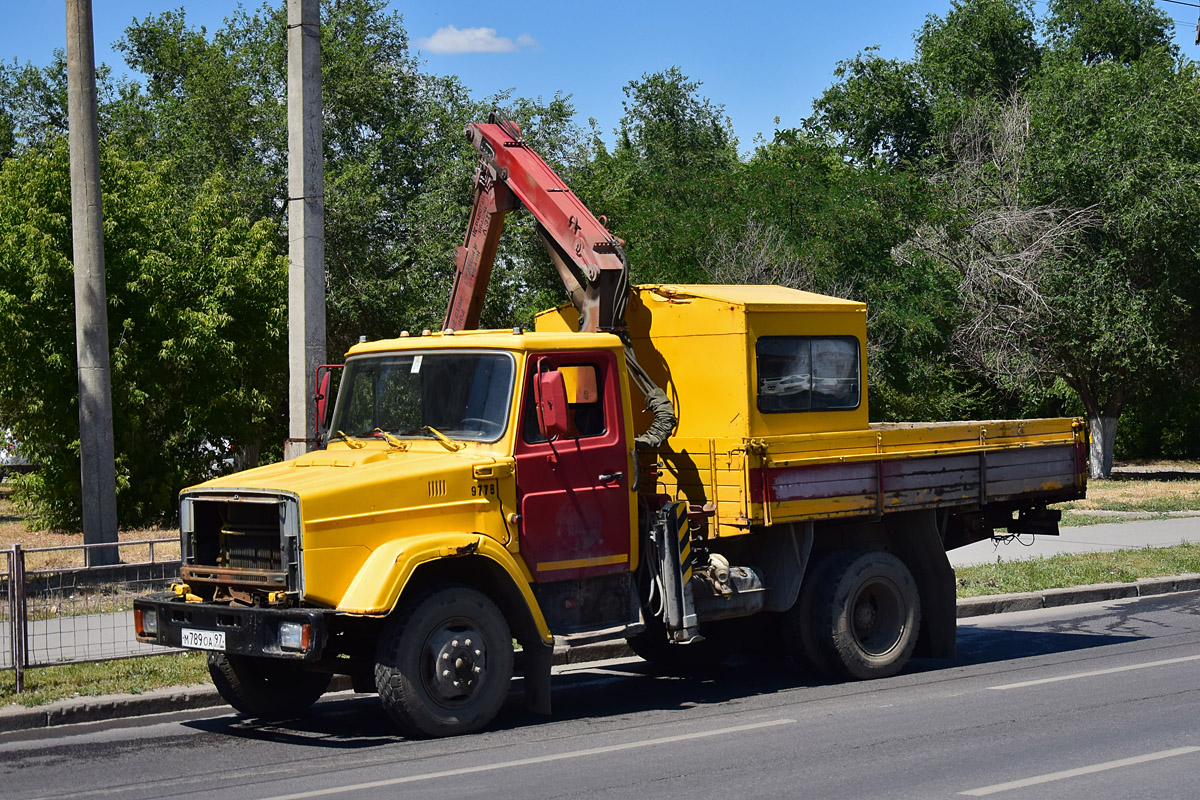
(885, 469)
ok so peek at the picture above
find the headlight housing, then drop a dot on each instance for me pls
(295, 636)
(145, 621)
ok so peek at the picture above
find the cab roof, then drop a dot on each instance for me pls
(515, 339)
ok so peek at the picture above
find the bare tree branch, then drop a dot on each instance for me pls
(1001, 246)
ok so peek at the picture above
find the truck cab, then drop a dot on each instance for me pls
(439, 470)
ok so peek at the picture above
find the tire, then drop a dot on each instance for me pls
(867, 614)
(266, 688)
(801, 639)
(456, 627)
(653, 646)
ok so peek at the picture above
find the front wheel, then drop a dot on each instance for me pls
(444, 666)
(267, 688)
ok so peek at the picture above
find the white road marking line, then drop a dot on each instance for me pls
(1095, 672)
(1072, 773)
(522, 762)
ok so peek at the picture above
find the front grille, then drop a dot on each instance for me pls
(239, 545)
(243, 551)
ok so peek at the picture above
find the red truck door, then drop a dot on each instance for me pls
(573, 492)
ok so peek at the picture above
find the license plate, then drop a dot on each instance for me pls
(203, 640)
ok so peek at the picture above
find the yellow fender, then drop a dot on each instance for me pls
(387, 571)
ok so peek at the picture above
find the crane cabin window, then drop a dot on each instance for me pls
(807, 373)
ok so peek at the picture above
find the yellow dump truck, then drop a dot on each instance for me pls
(481, 487)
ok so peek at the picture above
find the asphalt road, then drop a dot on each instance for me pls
(1091, 701)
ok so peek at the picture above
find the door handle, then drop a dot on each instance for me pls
(611, 477)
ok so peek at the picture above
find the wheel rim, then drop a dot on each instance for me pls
(877, 617)
(455, 667)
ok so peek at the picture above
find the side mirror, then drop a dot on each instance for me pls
(552, 413)
(323, 404)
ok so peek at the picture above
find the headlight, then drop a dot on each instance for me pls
(145, 621)
(294, 635)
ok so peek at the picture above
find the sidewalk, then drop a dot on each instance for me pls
(1084, 539)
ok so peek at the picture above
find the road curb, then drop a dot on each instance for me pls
(183, 698)
(1094, 593)
(121, 706)
(106, 707)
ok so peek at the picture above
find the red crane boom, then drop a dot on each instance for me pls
(589, 260)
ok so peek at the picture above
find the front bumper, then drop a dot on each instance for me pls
(248, 631)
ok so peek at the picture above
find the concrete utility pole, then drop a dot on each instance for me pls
(97, 463)
(306, 221)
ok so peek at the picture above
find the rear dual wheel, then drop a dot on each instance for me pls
(857, 616)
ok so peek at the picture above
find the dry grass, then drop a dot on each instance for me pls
(1157, 465)
(13, 530)
(1139, 496)
(1135, 491)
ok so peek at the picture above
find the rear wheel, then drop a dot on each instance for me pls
(267, 688)
(444, 666)
(866, 612)
(800, 621)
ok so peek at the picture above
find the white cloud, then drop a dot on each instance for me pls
(473, 40)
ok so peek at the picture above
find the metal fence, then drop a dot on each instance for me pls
(62, 609)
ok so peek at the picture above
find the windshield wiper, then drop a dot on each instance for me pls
(443, 438)
(391, 440)
(348, 439)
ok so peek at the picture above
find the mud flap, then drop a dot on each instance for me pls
(673, 542)
(918, 543)
(537, 661)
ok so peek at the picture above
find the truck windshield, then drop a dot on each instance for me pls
(464, 395)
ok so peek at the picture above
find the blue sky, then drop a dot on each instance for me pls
(761, 60)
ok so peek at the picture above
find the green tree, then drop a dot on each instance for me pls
(980, 49)
(1062, 209)
(33, 103)
(894, 113)
(220, 101)
(664, 184)
(195, 295)
(1092, 31)
(895, 121)
(878, 110)
(1123, 138)
(1071, 220)
(201, 231)
(820, 223)
(397, 170)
